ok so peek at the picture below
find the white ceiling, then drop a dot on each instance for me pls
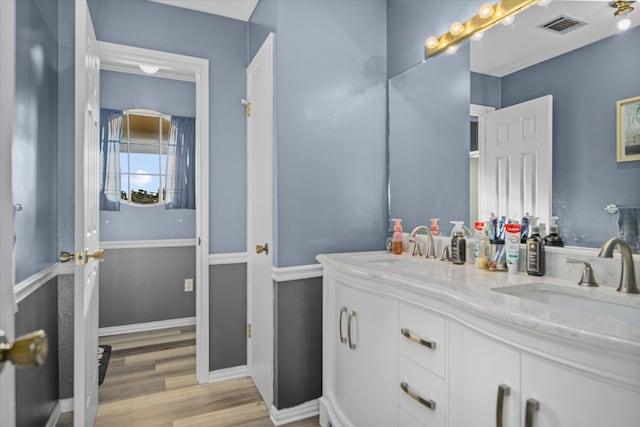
(236, 9)
(506, 49)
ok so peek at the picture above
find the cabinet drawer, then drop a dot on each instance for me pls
(422, 338)
(419, 388)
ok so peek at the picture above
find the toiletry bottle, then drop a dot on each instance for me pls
(484, 248)
(553, 239)
(524, 231)
(435, 228)
(458, 244)
(397, 237)
(512, 246)
(535, 253)
(493, 226)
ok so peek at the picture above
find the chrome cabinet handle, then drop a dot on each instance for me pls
(532, 407)
(503, 391)
(407, 333)
(426, 402)
(343, 310)
(352, 345)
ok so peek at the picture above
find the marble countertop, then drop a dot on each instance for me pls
(474, 290)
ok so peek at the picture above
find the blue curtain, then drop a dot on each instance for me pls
(110, 134)
(181, 167)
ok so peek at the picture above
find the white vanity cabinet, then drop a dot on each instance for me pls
(484, 380)
(492, 384)
(360, 369)
(402, 352)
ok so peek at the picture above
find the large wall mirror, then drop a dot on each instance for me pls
(571, 55)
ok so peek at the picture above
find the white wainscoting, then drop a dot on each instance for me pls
(143, 244)
(147, 326)
(297, 413)
(228, 258)
(299, 272)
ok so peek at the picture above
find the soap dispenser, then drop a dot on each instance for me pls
(458, 244)
(435, 228)
(397, 236)
(553, 239)
(535, 253)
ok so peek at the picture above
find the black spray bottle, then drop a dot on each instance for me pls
(535, 253)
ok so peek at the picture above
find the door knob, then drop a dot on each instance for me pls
(27, 351)
(66, 256)
(260, 249)
(98, 255)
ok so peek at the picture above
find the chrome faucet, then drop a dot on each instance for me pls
(431, 251)
(628, 276)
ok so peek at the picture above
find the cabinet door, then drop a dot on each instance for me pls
(478, 367)
(568, 398)
(374, 360)
(341, 353)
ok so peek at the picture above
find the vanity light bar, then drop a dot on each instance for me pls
(487, 17)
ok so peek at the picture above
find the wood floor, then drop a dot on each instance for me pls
(151, 382)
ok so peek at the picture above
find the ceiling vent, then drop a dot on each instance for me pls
(563, 24)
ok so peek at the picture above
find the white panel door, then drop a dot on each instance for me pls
(260, 218)
(7, 271)
(567, 398)
(516, 161)
(478, 367)
(87, 178)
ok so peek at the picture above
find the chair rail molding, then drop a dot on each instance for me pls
(228, 258)
(143, 244)
(298, 272)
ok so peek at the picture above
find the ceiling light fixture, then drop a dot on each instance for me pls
(544, 2)
(622, 7)
(149, 69)
(487, 17)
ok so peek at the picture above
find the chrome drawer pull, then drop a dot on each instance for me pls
(532, 407)
(503, 391)
(407, 333)
(426, 402)
(343, 311)
(352, 344)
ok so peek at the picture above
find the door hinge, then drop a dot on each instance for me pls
(247, 105)
(249, 330)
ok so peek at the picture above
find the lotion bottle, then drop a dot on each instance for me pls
(397, 237)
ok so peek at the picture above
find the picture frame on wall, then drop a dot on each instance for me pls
(628, 129)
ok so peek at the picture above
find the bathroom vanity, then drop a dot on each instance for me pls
(416, 342)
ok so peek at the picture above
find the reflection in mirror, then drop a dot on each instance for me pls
(582, 59)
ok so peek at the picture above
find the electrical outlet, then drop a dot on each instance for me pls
(188, 285)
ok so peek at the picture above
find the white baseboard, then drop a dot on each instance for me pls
(228, 373)
(66, 405)
(54, 417)
(298, 272)
(148, 326)
(297, 413)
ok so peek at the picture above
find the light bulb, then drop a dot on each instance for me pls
(624, 24)
(543, 2)
(508, 20)
(149, 69)
(452, 49)
(456, 28)
(485, 11)
(477, 36)
(432, 42)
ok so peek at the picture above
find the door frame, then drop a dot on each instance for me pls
(267, 48)
(126, 59)
(7, 263)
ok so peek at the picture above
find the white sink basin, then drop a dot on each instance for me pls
(623, 307)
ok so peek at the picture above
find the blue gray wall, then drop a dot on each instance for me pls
(146, 285)
(586, 176)
(330, 125)
(122, 91)
(486, 90)
(223, 42)
(428, 115)
(37, 389)
(36, 140)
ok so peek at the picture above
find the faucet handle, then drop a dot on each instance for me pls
(446, 254)
(414, 247)
(588, 278)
